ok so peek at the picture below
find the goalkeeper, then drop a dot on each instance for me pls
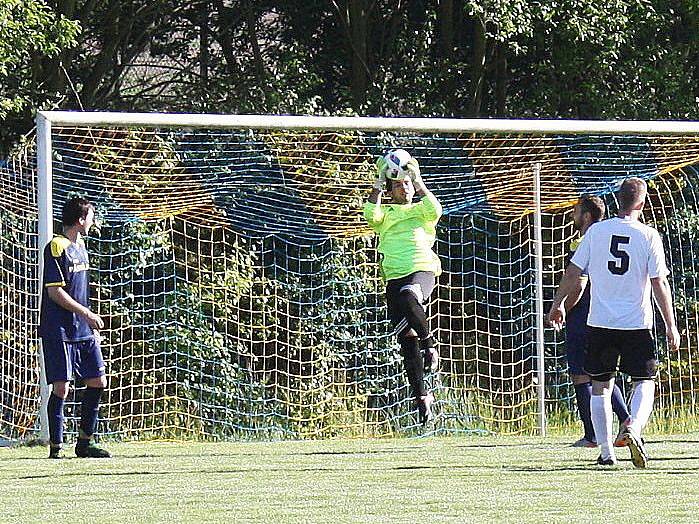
(406, 232)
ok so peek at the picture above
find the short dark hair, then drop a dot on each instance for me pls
(632, 191)
(74, 209)
(594, 205)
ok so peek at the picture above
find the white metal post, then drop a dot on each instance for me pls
(539, 309)
(45, 229)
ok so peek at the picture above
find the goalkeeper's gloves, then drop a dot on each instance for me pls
(381, 168)
(413, 169)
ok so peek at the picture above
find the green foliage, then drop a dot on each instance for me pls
(29, 32)
(622, 59)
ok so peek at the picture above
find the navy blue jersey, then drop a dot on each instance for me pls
(576, 318)
(65, 265)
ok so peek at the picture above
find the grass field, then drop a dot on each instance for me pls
(456, 479)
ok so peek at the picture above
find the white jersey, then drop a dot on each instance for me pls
(621, 255)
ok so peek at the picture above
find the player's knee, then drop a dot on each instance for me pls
(602, 384)
(407, 333)
(98, 382)
(408, 343)
(412, 292)
(60, 389)
(580, 379)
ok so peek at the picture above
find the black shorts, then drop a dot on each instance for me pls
(422, 284)
(632, 350)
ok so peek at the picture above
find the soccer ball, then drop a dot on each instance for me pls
(396, 162)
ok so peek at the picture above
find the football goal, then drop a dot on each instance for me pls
(240, 286)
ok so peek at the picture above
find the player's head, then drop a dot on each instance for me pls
(632, 194)
(78, 212)
(588, 210)
(402, 190)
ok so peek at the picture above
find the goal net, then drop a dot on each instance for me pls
(240, 288)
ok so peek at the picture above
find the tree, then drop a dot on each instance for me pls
(451, 58)
(29, 31)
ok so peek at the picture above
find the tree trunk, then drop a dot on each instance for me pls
(251, 19)
(446, 27)
(477, 68)
(358, 29)
(501, 78)
(227, 21)
(204, 47)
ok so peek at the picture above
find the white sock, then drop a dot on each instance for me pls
(602, 421)
(641, 404)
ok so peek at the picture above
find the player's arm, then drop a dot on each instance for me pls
(569, 288)
(375, 196)
(575, 294)
(63, 299)
(663, 297)
(432, 209)
(372, 209)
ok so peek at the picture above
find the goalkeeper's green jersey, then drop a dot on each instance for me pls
(406, 235)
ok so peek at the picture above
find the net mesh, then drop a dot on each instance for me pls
(240, 287)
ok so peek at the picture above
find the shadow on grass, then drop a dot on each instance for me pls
(415, 467)
(368, 452)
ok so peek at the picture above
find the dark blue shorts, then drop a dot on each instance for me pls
(576, 349)
(63, 360)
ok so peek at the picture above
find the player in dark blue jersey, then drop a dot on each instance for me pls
(69, 329)
(587, 211)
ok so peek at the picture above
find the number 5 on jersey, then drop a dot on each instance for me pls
(621, 264)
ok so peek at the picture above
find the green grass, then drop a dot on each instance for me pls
(456, 479)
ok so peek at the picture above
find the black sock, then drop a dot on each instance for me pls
(55, 413)
(413, 365)
(89, 410)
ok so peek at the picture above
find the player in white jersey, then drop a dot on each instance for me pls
(625, 261)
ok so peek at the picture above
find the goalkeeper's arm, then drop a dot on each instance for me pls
(372, 209)
(433, 209)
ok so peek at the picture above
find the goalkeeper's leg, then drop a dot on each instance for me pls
(413, 293)
(412, 360)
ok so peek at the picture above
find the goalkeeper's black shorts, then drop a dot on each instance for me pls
(420, 284)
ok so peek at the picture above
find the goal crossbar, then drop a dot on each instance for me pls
(427, 125)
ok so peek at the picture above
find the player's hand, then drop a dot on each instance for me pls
(557, 317)
(94, 320)
(381, 168)
(413, 169)
(673, 338)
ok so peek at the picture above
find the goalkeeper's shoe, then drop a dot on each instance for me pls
(611, 461)
(86, 449)
(430, 355)
(56, 452)
(424, 408)
(639, 457)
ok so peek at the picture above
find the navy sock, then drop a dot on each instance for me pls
(583, 392)
(89, 410)
(619, 405)
(55, 413)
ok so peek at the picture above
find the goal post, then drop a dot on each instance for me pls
(240, 284)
